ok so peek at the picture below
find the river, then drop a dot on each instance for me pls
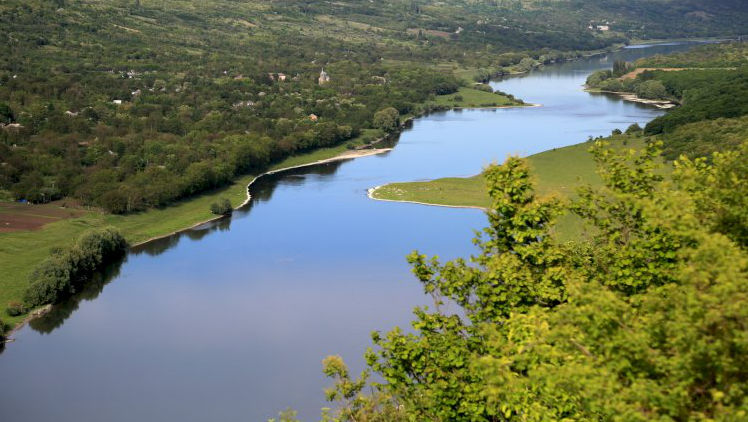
(230, 321)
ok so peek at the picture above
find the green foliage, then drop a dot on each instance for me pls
(643, 321)
(704, 95)
(651, 90)
(128, 115)
(222, 207)
(6, 114)
(700, 139)
(483, 87)
(723, 55)
(620, 68)
(15, 309)
(352, 405)
(387, 119)
(720, 191)
(633, 129)
(288, 415)
(66, 271)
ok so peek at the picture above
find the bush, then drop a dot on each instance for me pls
(222, 207)
(67, 270)
(616, 132)
(457, 98)
(634, 128)
(15, 309)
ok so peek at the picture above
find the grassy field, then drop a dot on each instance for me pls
(472, 98)
(557, 172)
(21, 251)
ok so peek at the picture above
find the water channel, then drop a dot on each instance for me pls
(231, 320)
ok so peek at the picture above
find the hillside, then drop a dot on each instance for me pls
(129, 105)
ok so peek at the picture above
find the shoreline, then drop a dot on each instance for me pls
(632, 97)
(370, 194)
(348, 155)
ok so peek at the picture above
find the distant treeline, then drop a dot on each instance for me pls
(66, 271)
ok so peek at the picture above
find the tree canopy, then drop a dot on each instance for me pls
(644, 320)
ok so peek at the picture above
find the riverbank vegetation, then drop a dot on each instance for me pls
(222, 207)
(643, 320)
(710, 82)
(67, 270)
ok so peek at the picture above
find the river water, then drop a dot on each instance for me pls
(230, 321)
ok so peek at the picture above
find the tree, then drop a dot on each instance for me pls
(6, 114)
(620, 68)
(651, 89)
(387, 119)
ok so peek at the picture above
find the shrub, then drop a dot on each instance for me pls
(15, 309)
(634, 128)
(616, 132)
(222, 207)
(458, 98)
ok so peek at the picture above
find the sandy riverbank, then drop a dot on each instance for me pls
(630, 96)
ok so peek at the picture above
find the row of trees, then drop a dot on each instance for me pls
(66, 271)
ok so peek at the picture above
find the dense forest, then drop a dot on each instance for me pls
(127, 105)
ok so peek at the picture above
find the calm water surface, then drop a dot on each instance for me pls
(230, 321)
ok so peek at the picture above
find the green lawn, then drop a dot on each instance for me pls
(472, 98)
(21, 251)
(557, 172)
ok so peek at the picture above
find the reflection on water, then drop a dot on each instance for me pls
(57, 315)
(231, 319)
